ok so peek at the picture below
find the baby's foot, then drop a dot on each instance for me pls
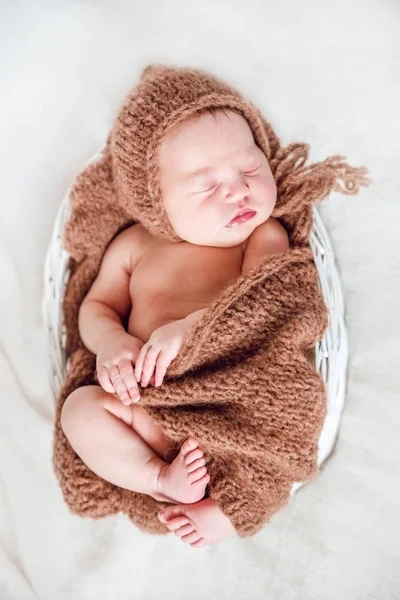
(200, 524)
(185, 479)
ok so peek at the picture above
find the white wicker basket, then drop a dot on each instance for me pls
(331, 354)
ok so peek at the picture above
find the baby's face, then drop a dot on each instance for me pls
(211, 170)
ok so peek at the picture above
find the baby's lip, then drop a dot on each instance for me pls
(241, 217)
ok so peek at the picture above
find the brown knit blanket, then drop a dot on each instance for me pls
(244, 385)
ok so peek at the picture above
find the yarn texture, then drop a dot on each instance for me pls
(244, 384)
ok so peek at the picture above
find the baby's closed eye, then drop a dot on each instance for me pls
(253, 172)
(208, 187)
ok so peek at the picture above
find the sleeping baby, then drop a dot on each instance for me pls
(218, 193)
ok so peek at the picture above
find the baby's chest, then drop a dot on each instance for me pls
(184, 272)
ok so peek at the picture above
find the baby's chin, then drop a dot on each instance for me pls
(229, 237)
(241, 233)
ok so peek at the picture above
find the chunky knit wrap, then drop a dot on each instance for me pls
(243, 384)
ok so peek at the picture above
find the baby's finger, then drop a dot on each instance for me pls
(127, 374)
(148, 365)
(163, 362)
(104, 379)
(119, 385)
(140, 361)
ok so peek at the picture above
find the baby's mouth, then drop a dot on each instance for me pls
(242, 217)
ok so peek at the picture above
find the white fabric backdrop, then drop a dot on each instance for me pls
(323, 72)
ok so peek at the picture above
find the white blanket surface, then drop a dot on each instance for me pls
(323, 72)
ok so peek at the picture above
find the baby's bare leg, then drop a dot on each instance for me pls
(99, 428)
(114, 440)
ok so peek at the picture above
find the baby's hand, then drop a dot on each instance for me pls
(116, 353)
(159, 351)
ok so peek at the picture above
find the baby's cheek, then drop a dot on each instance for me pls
(189, 223)
(266, 192)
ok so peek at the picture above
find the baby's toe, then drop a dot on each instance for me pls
(188, 445)
(199, 544)
(175, 510)
(185, 530)
(174, 524)
(200, 462)
(194, 455)
(191, 538)
(197, 474)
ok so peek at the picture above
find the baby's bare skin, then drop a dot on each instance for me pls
(180, 284)
(149, 293)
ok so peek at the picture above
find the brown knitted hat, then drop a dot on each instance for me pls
(164, 98)
(123, 186)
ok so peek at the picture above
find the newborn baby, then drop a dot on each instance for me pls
(219, 193)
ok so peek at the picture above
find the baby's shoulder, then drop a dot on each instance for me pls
(271, 227)
(134, 233)
(269, 232)
(267, 239)
(128, 246)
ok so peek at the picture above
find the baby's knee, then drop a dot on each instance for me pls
(73, 412)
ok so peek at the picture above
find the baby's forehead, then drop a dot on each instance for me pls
(208, 133)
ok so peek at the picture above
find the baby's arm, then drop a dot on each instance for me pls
(192, 319)
(102, 314)
(267, 239)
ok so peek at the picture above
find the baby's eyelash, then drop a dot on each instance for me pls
(208, 189)
(248, 173)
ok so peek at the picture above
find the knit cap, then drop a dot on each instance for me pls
(165, 97)
(122, 187)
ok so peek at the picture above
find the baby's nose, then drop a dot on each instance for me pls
(237, 191)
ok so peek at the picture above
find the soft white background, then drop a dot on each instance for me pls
(323, 72)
